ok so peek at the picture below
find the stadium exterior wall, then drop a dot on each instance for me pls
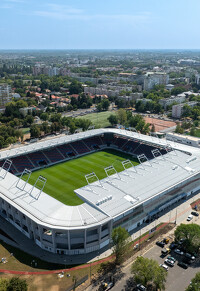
(74, 241)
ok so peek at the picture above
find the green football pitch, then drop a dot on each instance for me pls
(65, 177)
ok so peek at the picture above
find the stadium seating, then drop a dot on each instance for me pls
(21, 163)
(120, 142)
(38, 158)
(80, 147)
(66, 150)
(53, 155)
(93, 142)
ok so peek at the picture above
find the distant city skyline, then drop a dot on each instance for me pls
(105, 24)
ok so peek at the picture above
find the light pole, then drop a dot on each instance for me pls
(176, 215)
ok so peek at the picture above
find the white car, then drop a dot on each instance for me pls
(164, 267)
(190, 217)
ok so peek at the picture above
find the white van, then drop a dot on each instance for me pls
(190, 217)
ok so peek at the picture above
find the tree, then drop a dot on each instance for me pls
(99, 107)
(105, 104)
(190, 233)
(153, 128)
(195, 283)
(147, 271)
(112, 119)
(3, 284)
(179, 129)
(17, 284)
(121, 115)
(44, 116)
(35, 131)
(75, 87)
(120, 238)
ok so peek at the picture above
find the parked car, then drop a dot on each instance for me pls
(165, 251)
(164, 267)
(187, 261)
(173, 245)
(141, 287)
(182, 265)
(166, 240)
(160, 244)
(194, 213)
(169, 262)
(178, 252)
(189, 256)
(190, 217)
(171, 259)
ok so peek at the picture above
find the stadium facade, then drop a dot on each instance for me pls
(167, 173)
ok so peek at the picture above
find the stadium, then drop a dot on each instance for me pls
(68, 193)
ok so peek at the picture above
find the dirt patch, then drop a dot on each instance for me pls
(159, 123)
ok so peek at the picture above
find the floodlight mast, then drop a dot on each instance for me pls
(88, 178)
(109, 169)
(156, 153)
(142, 158)
(42, 180)
(169, 149)
(6, 167)
(125, 164)
(25, 172)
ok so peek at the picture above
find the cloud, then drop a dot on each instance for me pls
(15, 1)
(60, 12)
(64, 12)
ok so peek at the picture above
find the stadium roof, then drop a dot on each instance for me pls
(42, 145)
(111, 196)
(119, 192)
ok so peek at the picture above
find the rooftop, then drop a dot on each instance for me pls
(107, 198)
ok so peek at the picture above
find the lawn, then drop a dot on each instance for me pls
(64, 178)
(99, 119)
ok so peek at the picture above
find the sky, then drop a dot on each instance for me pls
(99, 24)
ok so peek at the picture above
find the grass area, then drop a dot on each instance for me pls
(26, 130)
(197, 132)
(21, 261)
(64, 178)
(99, 119)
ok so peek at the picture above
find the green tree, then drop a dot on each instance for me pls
(179, 129)
(153, 128)
(99, 107)
(195, 283)
(121, 239)
(72, 127)
(35, 131)
(191, 235)
(75, 87)
(105, 104)
(121, 116)
(193, 131)
(44, 116)
(17, 284)
(147, 271)
(112, 119)
(3, 284)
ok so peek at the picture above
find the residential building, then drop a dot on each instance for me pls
(168, 101)
(5, 94)
(151, 79)
(177, 110)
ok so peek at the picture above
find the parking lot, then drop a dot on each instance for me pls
(178, 278)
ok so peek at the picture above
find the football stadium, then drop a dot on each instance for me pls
(68, 193)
